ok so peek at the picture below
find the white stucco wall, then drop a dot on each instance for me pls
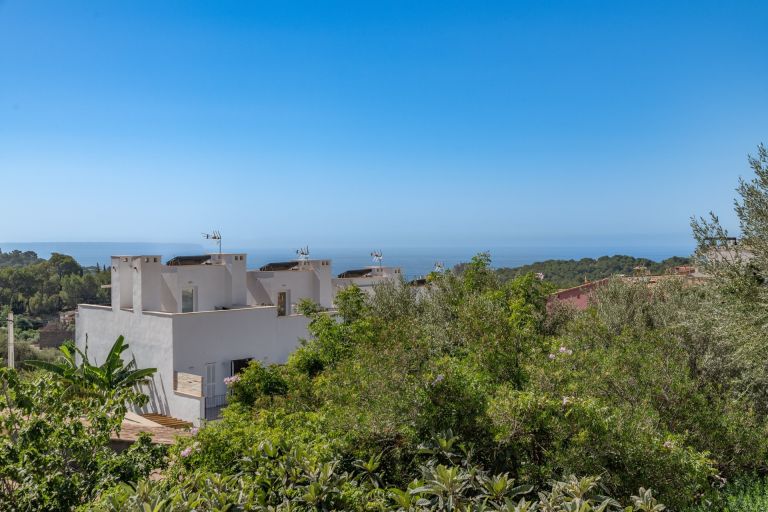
(213, 284)
(122, 282)
(147, 283)
(236, 268)
(366, 284)
(149, 338)
(186, 342)
(256, 290)
(290, 330)
(170, 292)
(221, 336)
(299, 283)
(322, 269)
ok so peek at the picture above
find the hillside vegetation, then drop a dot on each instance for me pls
(18, 258)
(569, 273)
(36, 290)
(34, 287)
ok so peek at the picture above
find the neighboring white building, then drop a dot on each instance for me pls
(366, 278)
(200, 319)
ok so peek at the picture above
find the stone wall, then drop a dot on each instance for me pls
(54, 334)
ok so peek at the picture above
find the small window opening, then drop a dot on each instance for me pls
(188, 300)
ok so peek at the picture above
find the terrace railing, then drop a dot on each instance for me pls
(214, 405)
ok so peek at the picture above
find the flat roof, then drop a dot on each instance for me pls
(360, 272)
(188, 260)
(279, 265)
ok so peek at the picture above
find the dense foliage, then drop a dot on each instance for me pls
(44, 287)
(18, 258)
(282, 474)
(54, 444)
(743, 495)
(568, 273)
(36, 290)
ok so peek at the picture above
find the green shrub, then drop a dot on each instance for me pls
(543, 437)
(744, 495)
(223, 446)
(54, 445)
(257, 384)
(280, 478)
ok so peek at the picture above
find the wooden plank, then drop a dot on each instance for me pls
(188, 384)
(167, 421)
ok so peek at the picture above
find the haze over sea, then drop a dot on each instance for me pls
(414, 260)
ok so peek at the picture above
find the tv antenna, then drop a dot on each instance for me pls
(215, 235)
(303, 253)
(377, 257)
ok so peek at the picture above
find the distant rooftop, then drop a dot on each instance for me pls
(280, 265)
(179, 261)
(361, 272)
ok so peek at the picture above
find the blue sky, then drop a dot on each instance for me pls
(454, 123)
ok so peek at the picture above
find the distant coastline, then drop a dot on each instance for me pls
(415, 261)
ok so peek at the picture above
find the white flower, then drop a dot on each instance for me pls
(567, 400)
(228, 381)
(552, 357)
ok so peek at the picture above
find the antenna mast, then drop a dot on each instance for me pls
(377, 257)
(303, 253)
(215, 236)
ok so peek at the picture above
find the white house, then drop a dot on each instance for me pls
(365, 278)
(200, 319)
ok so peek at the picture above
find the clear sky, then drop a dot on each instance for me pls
(375, 122)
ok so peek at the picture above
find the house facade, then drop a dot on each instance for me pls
(365, 278)
(200, 319)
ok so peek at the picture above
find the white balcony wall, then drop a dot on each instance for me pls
(148, 338)
(219, 337)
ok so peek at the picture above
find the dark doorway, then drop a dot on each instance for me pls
(238, 365)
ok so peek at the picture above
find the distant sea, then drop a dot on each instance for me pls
(415, 261)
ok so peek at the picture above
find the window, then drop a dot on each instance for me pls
(188, 300)
(238, 365)
(282, 303)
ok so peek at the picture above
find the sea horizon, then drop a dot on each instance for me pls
(414, 260)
